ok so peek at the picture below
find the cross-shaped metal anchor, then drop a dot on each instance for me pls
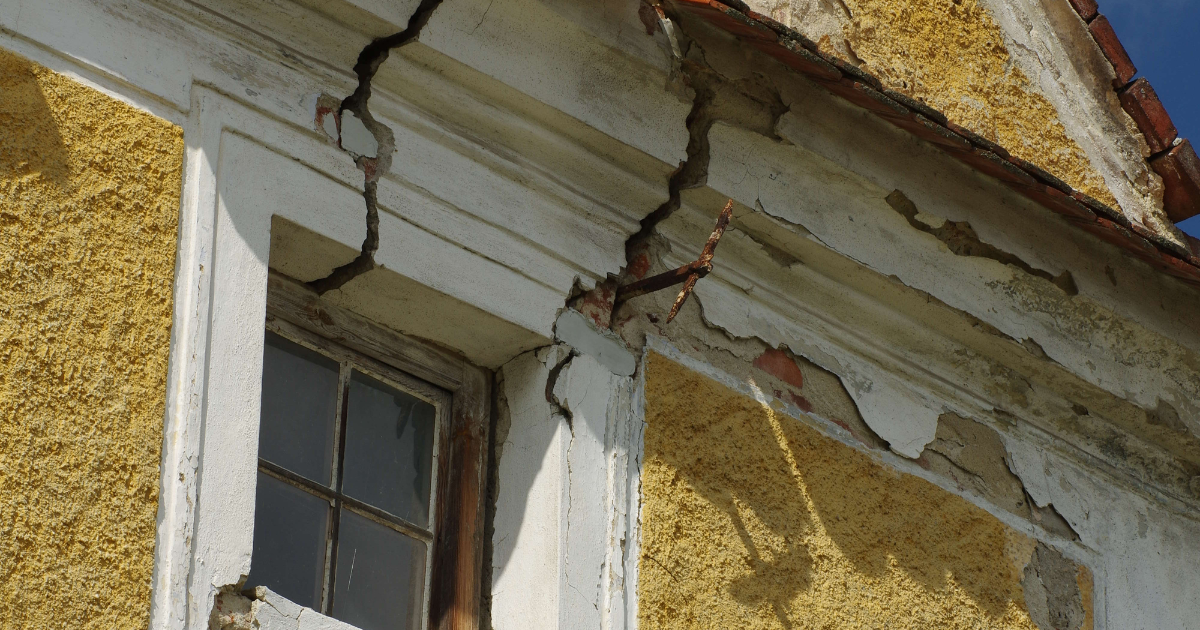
(687, 274)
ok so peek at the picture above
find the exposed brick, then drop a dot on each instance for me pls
(978, 140)
(1086, 9)
(1161, 242)
(795, 399)
(1101, 209)
(1110, 45)
(795, 56)
(1142, 104)
(639, 266)
(1040, 174)
(726, 18)
(1180, 171)
(597, 304)
(779, 364)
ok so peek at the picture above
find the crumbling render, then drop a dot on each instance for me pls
(962, 240)
(974, 456)
(264, 609)
(692, 172)
(1052, 594)
(374, 159)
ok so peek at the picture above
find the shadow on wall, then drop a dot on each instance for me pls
(30, 143)
(752, 519)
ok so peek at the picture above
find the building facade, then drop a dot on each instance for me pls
(335, 315)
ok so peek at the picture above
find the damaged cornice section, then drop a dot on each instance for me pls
(1167, 253)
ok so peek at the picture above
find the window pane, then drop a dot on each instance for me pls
(299, 397)
(380, 578)
(289, 541)
(389, 449)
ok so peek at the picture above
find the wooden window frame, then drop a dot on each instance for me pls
(455, 588)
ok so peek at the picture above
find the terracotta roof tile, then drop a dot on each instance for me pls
(1110, 45)
(1143, 106)
(1180, 171)
(1086, 9)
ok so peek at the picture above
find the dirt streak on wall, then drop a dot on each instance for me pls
(752, 519)
(89, 204)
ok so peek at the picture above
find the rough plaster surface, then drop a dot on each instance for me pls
(89, 201)
(1147, 549)
(813, 534)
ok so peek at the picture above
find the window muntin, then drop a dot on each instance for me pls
(380, 438)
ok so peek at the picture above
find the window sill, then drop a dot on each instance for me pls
(268, 611)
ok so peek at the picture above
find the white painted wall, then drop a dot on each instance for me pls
(561, 523)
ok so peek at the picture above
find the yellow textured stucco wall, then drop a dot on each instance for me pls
(751, 519)
(952, 55)
(89, 202)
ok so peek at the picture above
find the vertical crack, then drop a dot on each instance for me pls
(372, 166)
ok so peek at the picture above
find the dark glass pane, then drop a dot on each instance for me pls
(289, 541)
(299, 397)
(389, 449)
(380, 577)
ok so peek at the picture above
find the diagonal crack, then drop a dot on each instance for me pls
(693, 171)
(373, 167)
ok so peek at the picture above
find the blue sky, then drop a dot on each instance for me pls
(1163, 39)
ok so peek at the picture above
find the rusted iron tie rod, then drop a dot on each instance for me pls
(687, 274)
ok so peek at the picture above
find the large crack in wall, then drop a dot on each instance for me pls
(749, 103)
(370, 142)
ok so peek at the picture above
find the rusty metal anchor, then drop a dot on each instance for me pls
(687, 274)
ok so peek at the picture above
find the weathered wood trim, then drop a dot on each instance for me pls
(455, 596)
(290, 300)
(457, 581)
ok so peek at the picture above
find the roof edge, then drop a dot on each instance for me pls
(1175, 161)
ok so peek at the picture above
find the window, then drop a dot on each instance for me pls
(353, 468)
